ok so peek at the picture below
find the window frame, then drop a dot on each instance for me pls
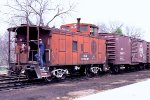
(74, 46)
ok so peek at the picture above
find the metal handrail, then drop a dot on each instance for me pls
(32, 52)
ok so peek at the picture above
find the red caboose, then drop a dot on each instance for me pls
(75, 48)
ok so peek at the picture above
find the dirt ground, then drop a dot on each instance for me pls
(73, 88)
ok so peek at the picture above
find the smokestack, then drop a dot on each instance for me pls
(78, 24)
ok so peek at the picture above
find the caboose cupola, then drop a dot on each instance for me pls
(83, 28)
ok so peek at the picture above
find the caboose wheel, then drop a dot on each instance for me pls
(60, 73)
(63, 77)
(15, 70)
(49, 79)
(88, 73)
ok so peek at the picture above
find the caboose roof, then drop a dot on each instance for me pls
(24, 26)
(71, 24)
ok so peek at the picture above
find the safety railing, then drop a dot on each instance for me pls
(33, 52)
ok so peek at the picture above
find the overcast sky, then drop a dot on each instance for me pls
(129, 12)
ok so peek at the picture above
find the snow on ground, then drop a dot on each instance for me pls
(3, 70)
(137, 91)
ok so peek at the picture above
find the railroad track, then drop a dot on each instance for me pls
(8, 83)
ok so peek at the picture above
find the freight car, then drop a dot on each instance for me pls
(125, 52)
(73, 49)
(148, 54)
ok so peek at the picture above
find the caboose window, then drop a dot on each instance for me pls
(66, 28)
(84, 28)
(93, 30)
(82, 47)
(74, 46)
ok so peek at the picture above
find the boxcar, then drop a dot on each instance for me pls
(118, 51)
(138, 51)
(148, 53)
(124, 52)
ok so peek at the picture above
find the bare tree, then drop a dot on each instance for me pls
(37, 12)
(103, 28)
(112, 27)
(3, 50)
(118, 27)
(115, 26)
(133, 32)
(31, 12)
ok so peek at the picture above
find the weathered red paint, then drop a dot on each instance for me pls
(62, 52)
